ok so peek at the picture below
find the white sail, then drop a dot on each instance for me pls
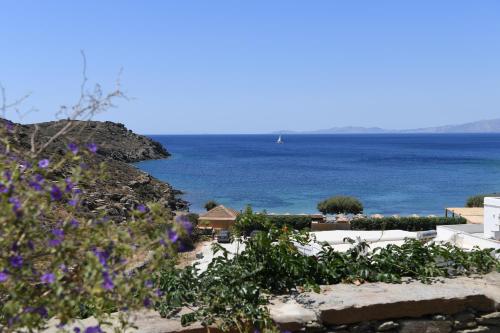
(279, 140)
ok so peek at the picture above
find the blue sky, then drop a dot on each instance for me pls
(259, 66)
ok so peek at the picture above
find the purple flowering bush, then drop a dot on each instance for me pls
(57, 261)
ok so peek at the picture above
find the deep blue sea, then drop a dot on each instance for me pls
(390, 174)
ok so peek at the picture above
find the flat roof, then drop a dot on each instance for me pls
(473, 215)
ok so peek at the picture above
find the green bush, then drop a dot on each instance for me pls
(211, 204)
(404, 223)
(296, 222)
(249, 221)
(340, 205)
(478, 200)
(59, 262)
(234, 291)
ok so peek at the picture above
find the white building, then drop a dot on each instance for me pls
(486, 235)
(492, 218)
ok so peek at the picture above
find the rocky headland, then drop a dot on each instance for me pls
(125, 186)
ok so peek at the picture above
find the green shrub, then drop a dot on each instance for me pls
(340, 204)
(478, 200)
(211, 204)
(56, 260)
(249, 221)
(404, 223)
(233, 292)
(296, 222)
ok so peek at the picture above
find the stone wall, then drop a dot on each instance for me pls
(462, 304)
(468, 321)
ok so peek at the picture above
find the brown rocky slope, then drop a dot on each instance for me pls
(125, 186)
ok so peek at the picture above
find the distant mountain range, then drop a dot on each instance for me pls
(483, 126)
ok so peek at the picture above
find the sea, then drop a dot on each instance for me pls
(390, 173)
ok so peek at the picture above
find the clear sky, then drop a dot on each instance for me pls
(259, 66)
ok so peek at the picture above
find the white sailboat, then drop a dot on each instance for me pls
(280, 141)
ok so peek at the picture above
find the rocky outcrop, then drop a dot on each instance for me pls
(114, 139)
(125, 186)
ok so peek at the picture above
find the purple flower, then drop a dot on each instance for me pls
(55, 242)
(148, 284)
(188, 226)
(16, 261)
(3, 188)
(8, 175)
(58, 237)
(48, 278)
(93, 329)
(76, 330)
(59, 233)
(73, 147)
(36, 186)
(159, 293)
(3, 276)
(107, 281)
(16, 204)
(69, 185)
(55, 193)
(74, 223)
(43, 163)
(72, 202)
(39, 178)
(92, 147)
(142, 208)
(173, 236)
(102, 256)
(42, 312)
(147, 302)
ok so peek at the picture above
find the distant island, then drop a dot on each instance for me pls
(482, 126)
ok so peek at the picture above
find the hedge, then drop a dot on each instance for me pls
(478, 200)
(404, 223)
(297, 222)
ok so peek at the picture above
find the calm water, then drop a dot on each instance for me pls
(391, 174)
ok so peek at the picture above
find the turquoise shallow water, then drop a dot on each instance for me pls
(391, 174)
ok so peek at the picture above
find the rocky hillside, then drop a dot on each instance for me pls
(126, 186)
(114, 140)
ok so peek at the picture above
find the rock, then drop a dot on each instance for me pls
(117, 147)
(463, 324)
(490, 319)
(464, 316)
(479, 329)
(364, 327)
(425, 326)
(387, 326)
(343, 304)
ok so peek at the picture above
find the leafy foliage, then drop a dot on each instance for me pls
(249, 221)
(56, 260)
(404, 223)
(478, 200)
(233, 292)
(296, 222)
(340, 204)
(211, 204)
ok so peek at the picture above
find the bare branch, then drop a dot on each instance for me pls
(88, 105)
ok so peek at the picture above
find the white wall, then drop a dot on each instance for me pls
(492, 218)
